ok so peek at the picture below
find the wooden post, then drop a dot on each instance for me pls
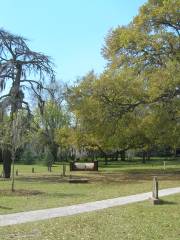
(164, 165)
(71, 166)
(17, 172)
(64, 170)
(49, 168)
(155, 188)
(155, 196)
(96, 165)
(32, 170)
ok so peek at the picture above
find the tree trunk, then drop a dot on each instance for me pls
(105, 159)
(6, 156)
(13, 160)
(49, 168)
(17, 95)
(175, 153)
(16, 92)
(117, 156)
(54, 151)
(92, 156)
(144, 155)
(123, 155)
(148, 155)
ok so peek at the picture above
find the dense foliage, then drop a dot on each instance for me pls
(133, 104)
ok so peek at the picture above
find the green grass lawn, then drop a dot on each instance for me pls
(140, 221)
(137, 166)
(45, 190)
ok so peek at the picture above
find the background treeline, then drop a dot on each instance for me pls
(132, 108)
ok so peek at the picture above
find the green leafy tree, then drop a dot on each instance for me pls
(54, 117)
(118, 109)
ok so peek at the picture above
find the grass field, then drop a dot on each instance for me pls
(43, 189)
(140, 221)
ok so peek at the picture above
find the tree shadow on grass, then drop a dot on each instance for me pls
(123, 177)
(5, 208)
(42, 179)
(66, 195)
(28, 193)
(20, 192)
(104, 178)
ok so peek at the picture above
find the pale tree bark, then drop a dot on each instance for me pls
(18, 63)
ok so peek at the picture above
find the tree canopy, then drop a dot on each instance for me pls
(133, 104)
(135, 101)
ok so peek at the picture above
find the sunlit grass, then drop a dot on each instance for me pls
(43, 189)
(140, 221)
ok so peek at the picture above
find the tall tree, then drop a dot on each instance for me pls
(149, 44)
(22, 69)
(142, 76)
(54, 118)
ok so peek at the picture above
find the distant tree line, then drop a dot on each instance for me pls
(133, 105)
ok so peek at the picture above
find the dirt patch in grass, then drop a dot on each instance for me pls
(35, 234)
(104, 177)
(42, 178)
(20, 192)
(132, 177)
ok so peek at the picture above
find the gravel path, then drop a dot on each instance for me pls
(23, 217)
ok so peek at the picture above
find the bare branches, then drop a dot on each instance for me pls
(14, 50)
(4, 96)
(18, 63)
(117, 108)
(27, 107)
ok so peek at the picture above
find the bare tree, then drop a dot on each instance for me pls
(14, 135)
(21, 69)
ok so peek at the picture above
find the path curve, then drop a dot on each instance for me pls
(30, 216)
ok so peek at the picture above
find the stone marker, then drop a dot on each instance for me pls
(78, 180)
(155, 197)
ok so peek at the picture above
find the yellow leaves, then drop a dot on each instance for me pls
(120, 88)
(65, 137)
(161, 14)
(122, 42)
(121, 105)
(164, 80)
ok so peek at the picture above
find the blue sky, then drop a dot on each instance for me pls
(72, 32)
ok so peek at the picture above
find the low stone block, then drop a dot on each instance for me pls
(78, 180)
(155, 201)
